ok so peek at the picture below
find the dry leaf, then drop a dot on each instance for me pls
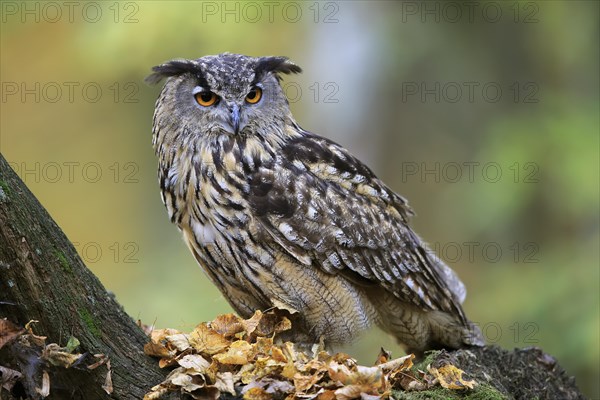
(178, 341)
(303, 383)
(326, 395)
(35, 340)
(402, 364)
(156, 393)
(225, 383)
(283, 325)
(32, 338)
(44, 391)
(257, 393)
(148, 329)
(227, 325)
(72, 344)
(161, 334)
(102, 359)
(166, 362)
(263, 346)
(194, 361)
(271, 386)
(58, 357)
(29, 325)
(9, 377)
(158, 350)
(9, 331)
(340, 373)
(271, 324)
(266, 366)
(383, 356)
(207, 341)
(188, 383)
(348, 392)
(239, 353)
(282, 306)
(251, 323)
(108, 386)
(406, 380)
(246, 374)
(277, 355)
(289, 371)
(206, 393)
(451, 377)
(289, 351)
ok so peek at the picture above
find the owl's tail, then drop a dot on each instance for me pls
(419, 330)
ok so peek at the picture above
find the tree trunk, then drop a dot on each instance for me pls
(42, 278)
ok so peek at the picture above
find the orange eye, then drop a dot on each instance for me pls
(254, 95)
(206, 99)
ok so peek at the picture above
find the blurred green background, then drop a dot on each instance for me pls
(485, 115)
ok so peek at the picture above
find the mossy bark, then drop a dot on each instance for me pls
(42, 278)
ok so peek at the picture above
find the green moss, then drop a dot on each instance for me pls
(432, 394)
(481, 392)
(4, 191)
(485, 392)
(64, 263)
(88, 320)
(5, 187)
(429, 357)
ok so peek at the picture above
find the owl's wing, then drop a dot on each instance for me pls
(327, 209)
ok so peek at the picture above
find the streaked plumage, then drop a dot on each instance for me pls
(278, 216)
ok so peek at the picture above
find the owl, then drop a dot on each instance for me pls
(277, 216)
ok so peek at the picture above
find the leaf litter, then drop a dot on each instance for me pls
(52, 355)
(245, 357)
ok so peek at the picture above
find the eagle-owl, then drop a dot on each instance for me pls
(280, 217)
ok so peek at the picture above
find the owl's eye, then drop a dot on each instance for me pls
(206, 98)
(254, 95)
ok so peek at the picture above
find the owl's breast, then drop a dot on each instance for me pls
(212, 204)
(205, 234)
(208, 207)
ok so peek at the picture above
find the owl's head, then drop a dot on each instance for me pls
(226, 94)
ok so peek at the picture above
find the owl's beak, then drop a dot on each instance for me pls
(235, 117)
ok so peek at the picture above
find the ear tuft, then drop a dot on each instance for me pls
(173, 68)
(275, 65)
